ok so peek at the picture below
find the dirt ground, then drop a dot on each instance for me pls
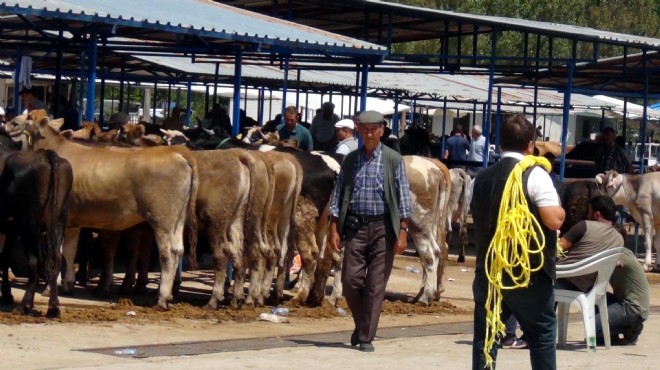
(91, 324)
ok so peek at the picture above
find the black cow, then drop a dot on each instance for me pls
(575, 197)
(34, 198)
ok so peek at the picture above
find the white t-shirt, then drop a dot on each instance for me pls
(539, 185)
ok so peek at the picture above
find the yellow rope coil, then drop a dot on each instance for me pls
(511, 248)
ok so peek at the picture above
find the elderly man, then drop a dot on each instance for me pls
(290, 129)
(346, 141)
(610, 156)
(477, 149)
(370, 209)
(323, 127)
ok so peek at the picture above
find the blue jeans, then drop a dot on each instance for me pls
(533, 307)
(621, 316)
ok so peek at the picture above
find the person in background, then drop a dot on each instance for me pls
(323, 127)
(457, 145)
(610, 156)
(176, 121)
(477, 149)
(290, 129)
(30, 101)
(346, 142)
(117, 121)
(370, 210)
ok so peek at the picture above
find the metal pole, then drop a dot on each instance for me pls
(153, 107)
(17, 88)
(121, 88)
(285, 82)
(298, 89)
(536, 99)
(444, 127)
(58, 77)
(235, 128)
(644, 118)
(395, 117)
(262, 102)
(491, 73)
(81, 90)
(206, 101)
(91, 79)
(498, 121)
(625, 117)
(215, 84)
(363, 95)
(101, 105)
(564, 124)
(188, 103)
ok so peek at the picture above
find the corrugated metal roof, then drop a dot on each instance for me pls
(426, 86)
(197, 17)
(584, 33)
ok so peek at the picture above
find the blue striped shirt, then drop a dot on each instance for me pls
(368, 197)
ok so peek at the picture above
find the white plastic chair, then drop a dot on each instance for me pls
(602, 263)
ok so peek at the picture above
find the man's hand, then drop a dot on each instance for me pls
(334, 237)
(401, 243)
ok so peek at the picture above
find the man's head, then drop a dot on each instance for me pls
(517, 135)
(370, 128)
(608, 135)
(328, 108)
(28, 97)
(355, 117)
(344, 129)
(602, 208)
(458, 130)
(476, 131)
(117, 120)
(290, 117)
(176, 111)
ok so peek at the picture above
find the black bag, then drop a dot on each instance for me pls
(352, 225)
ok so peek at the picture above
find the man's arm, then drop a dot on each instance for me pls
(446, 156)
(544, 195)
(573, 235)
(552, 217)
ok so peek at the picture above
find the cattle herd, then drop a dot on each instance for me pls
(257, 205)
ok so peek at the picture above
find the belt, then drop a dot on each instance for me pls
(366, 219)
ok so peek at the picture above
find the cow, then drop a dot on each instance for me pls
(575, 196)
(116, 188)
(641, 195)
(430, 187)
(34, 197)
(459, 206)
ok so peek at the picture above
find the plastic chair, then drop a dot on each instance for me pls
(603, 264)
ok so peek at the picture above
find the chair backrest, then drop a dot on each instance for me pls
(602, 263)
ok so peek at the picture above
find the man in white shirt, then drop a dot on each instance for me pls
(346, 140)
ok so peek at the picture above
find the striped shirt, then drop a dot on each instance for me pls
(368, 196)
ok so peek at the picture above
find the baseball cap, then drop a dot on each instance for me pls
(345, 123)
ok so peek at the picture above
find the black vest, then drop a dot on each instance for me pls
(486, 199)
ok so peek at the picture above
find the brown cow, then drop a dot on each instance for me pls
(116, 188)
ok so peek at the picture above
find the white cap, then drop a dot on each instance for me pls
(345, 123)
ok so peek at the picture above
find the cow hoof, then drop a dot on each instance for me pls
(66, 289)
(53, 313)
(160, 308)
(461, 259)
(7, 299)
(236, 303)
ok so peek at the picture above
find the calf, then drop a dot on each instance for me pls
(34, 198)
(641, 195)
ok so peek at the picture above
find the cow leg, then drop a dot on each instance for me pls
(336, 295)
(464, 241)
(442, 264)
(69, 248)
(31, 250)
(283, 268)
(656, 246)
(8, 245)
(170, 249)
(144, 261)
(647, 222)
(132, 239)
(108, 241)
(257, 267)
(217, 242)
(429, 254)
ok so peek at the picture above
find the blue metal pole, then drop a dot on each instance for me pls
(444, 127)
(363, 93)
(188, 103)
(488, 110)
(91, 79)
(121, 88)
(498, 121)
(395, 116)
(285, 82)
(81, 90)
(298, 90)
(153, 107)
(642, 130)
(262, 102)
(215, 84)
(625, 118)
(236, 124)
(536, 99)
(17, 89)
(101, 105)
(564, 124)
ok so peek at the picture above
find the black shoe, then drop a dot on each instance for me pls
(631, 333)
(366, 347)
(355, 338)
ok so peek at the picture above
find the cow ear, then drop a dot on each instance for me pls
(43, 122)
(56, 123)
(599, 178)
(67, 134)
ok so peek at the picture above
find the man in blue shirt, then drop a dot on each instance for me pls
(370, 209)
(290, 129)
(457, 145)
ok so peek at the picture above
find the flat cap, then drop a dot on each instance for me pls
(345, 123)
(371, 116)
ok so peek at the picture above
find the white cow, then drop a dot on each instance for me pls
(641, 195)
(459, 206)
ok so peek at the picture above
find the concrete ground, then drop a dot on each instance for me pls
(404, 340)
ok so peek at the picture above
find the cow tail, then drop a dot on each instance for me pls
(466, 197)
(56, 214)
(191, 214)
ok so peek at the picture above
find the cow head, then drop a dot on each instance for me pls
(609, 182)
(24, 130)
(174, 137)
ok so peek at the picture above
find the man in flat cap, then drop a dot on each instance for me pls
(323, 127)
(370, 210)
(30, 101)
(346, 143)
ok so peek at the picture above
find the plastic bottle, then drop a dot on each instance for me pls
(272, 318)
(341, 311)
(279, 311)
(126, 352)
(412, 269)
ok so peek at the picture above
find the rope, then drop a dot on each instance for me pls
(511, 248)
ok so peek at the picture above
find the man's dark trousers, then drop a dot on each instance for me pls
(368, 259)
(533, 307)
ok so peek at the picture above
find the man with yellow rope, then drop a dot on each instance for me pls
(516, 213)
